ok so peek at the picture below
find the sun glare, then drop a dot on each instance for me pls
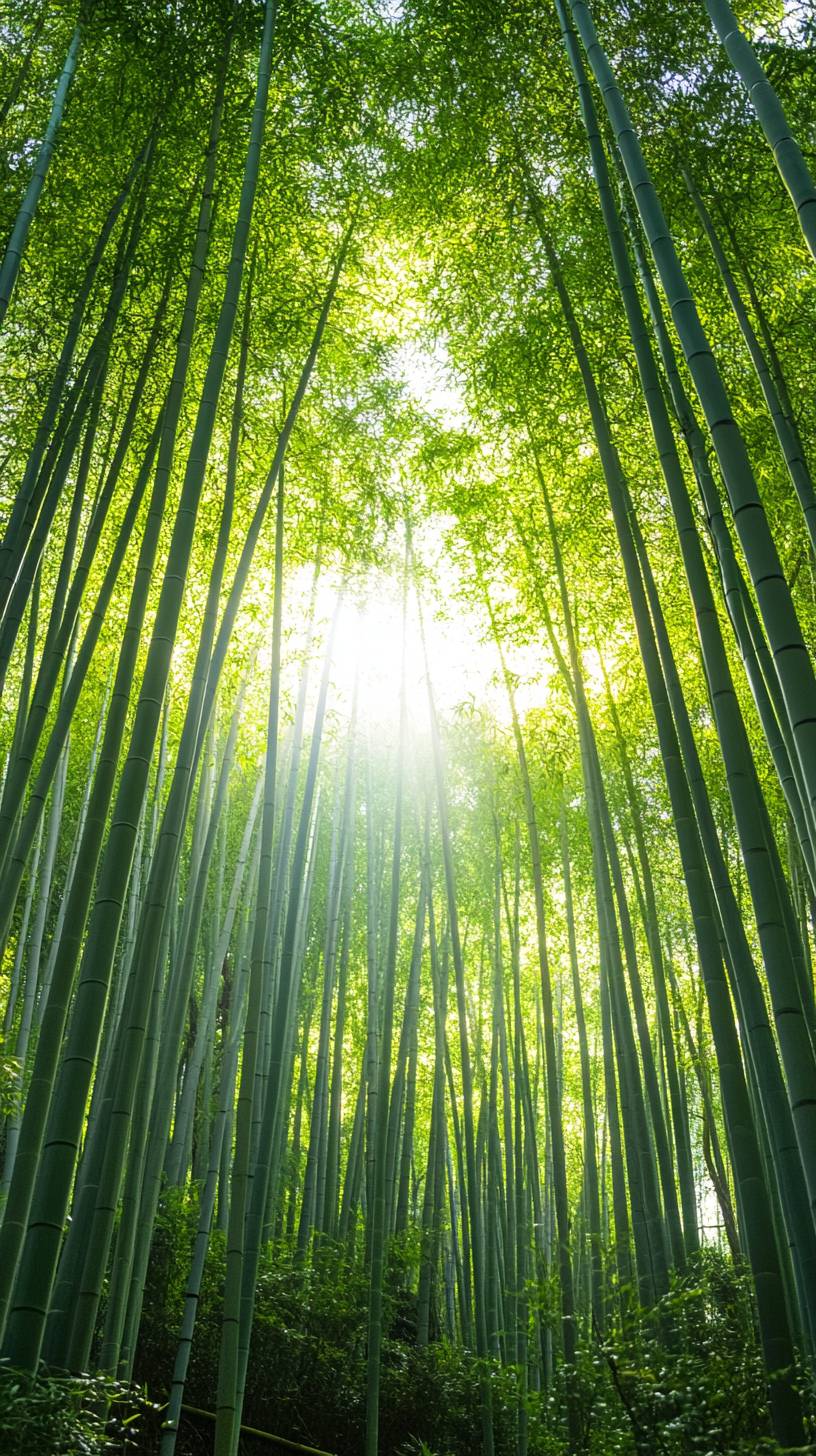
(457, 653)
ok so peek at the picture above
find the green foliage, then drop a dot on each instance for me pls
(684, 1379)
(54, 1414)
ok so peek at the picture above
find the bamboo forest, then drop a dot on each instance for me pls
(408, 727)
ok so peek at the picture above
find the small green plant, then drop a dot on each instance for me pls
(50, 1414)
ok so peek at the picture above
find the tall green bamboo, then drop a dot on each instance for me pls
(38, 1260)
(15, 246)
(770, 584)
(793, 168)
